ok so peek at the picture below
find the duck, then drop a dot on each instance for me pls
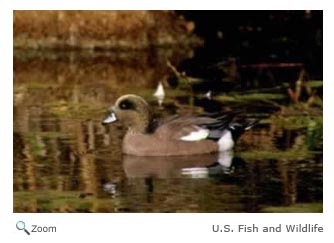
(178, 135)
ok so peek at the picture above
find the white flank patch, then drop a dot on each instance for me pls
(226, 142)
(196, 135)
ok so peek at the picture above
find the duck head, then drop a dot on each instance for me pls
(133, 111)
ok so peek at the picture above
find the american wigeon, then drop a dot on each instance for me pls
(178, 135)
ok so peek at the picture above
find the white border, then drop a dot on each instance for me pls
(156, 227)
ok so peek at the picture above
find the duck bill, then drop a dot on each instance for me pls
(111, 118)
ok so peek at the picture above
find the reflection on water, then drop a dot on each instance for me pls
(66, 161)
(176, 166)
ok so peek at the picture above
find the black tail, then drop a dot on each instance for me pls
(237, 129)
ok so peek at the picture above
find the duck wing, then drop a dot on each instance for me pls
(195, 128)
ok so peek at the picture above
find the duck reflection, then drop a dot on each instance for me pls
(198, 166)
(149, 168)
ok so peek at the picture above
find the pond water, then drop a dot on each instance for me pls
(66, 161)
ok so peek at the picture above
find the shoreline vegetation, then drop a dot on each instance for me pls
(104, 30)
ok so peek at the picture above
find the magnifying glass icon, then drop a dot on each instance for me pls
(20, 225)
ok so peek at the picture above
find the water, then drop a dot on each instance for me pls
(66, 161)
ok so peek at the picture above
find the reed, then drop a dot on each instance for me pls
(101, 29)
